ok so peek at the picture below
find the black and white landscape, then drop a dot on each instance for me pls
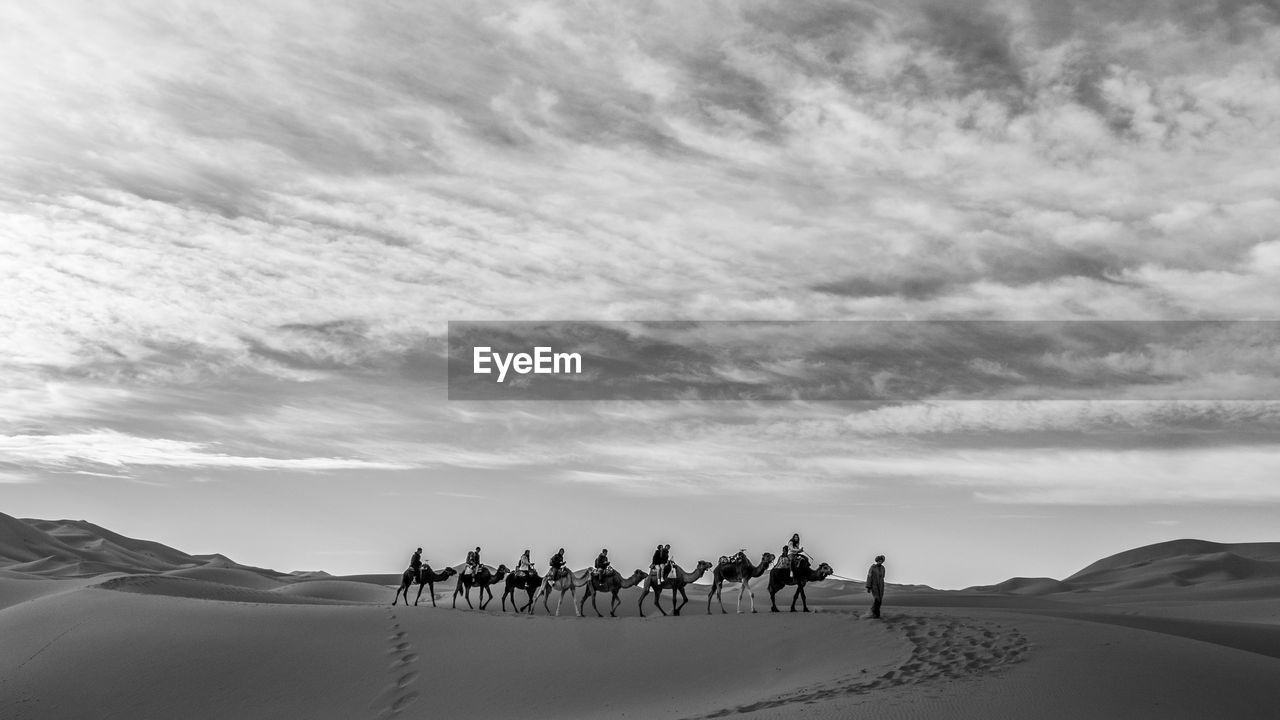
(986, 287)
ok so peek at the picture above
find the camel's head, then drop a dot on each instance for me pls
(824, 570)
(449, 572)
(639, 575)
(768, 558)
(503, 570)
(704, 566)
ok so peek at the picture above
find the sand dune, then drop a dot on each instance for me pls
(238, 577)
(340, 590)
(1191, 628)
(137, 646)
(1177, 565)
(76, 547)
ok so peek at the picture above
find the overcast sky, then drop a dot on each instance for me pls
(231, 237)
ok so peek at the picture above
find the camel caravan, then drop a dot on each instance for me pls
(793, 567)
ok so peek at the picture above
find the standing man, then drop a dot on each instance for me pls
(875, 585)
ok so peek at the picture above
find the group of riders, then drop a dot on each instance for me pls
(793, 557)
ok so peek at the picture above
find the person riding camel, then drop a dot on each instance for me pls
(799, 557)
(784, 560)
(473, 562)
(524, 566)
(556, 564)
(415, 564)
(664, 561)
(602, 563)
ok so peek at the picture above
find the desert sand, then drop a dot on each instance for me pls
(99, 625)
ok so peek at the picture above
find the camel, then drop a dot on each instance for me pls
(676, 583)
(427, 577)
(610, 582)
(482, 579)
(737, 570)
(569, 582)
(515, 581)
(782, 577)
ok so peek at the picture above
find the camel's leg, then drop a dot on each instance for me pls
(799, 594)
(715, 586)
(657, 599)
(483, 602)
(746, 587)
(545, 593)
(684, 596)
(773, 598)
(613, 606)
(573, 597)
(416, 598)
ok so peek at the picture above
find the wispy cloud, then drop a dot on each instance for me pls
(107, 447)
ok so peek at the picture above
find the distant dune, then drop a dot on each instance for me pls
(1173, 565)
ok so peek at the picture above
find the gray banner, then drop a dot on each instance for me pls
(876, 361)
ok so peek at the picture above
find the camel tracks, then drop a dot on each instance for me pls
(396, 696)
(942, 648)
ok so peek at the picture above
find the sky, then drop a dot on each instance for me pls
(232, 237)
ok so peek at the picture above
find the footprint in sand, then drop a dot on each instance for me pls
(394, 698)
(943, 649)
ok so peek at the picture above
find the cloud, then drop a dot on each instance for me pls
(1071, 476)
(238, 215)
(110, 448)
(1014, 418)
